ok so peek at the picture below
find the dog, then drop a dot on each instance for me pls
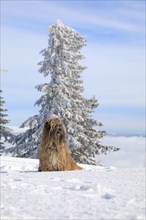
(54, 153)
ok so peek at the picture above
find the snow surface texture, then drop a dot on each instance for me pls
(93, 193)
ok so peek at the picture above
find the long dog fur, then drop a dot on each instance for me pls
(54, 153)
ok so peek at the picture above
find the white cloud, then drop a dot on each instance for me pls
(131, 154)
(82, 14)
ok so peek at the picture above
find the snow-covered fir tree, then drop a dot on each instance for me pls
(62, 97)
(3, 115)
(4, 133)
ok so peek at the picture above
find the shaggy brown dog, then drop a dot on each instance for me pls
(54, 153)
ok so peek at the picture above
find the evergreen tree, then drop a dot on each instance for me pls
(3, 115)
(3, 120)
(63, 98)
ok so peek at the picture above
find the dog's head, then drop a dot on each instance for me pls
(55, 130)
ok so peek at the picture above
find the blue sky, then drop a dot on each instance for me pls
(115, 57)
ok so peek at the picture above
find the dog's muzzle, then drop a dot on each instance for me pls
(59, 132)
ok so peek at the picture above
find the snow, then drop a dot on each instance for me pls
(16, 130)
(94, 193)
(97, 192)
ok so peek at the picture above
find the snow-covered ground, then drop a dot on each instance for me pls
(93, 193)
(96, 192)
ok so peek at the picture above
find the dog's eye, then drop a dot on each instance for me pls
(47, 125)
